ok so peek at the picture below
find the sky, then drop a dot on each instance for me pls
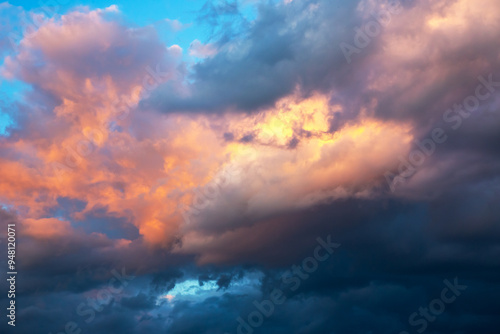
(250, 166)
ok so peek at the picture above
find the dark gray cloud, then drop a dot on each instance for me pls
(393, 259)
(267, 60)
(99, 220)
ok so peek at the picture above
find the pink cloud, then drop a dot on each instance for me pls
(200, 50)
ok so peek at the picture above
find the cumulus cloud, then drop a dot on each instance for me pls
(123, 155)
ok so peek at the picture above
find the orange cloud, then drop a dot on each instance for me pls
(144, 165)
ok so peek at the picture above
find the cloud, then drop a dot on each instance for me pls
(305, 145)
(229, 169)
(200, 50)
(265, 62)
(176, 25)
